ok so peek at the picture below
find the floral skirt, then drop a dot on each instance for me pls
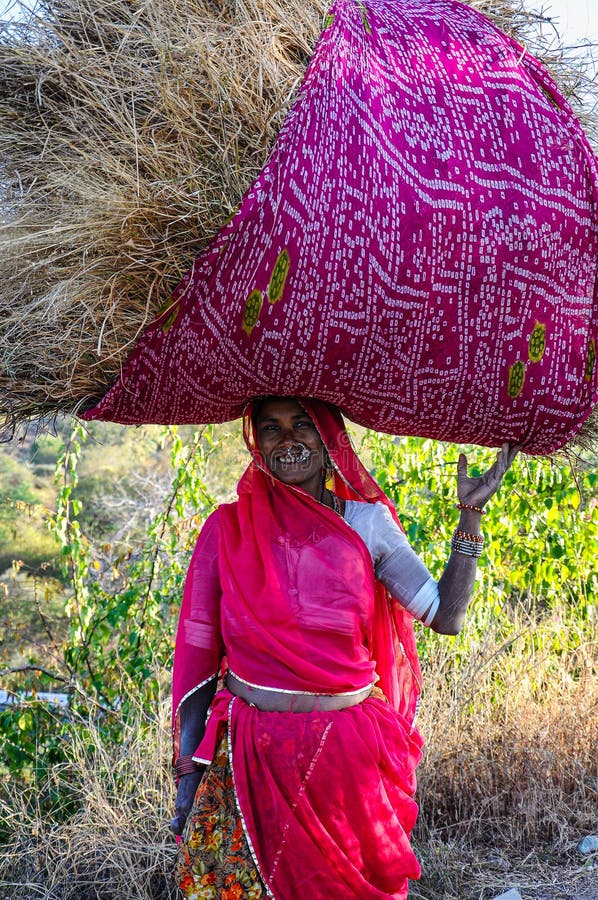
(214, 859)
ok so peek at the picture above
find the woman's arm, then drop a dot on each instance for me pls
(193, 714)
(441, 605)
(457, 581)
(197, 661)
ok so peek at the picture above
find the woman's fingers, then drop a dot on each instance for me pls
(479, 490)
(177, 826)
(504, 458)
(500, 465)
(511, 452)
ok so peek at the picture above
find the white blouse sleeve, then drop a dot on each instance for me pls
(396, 564)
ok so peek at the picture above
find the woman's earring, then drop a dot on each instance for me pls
(328, 467)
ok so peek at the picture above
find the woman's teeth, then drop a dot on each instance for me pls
(296, 454)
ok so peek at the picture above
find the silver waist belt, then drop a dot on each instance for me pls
(271, 700)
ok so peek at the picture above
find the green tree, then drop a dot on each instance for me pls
(122, 608)
(22, 510)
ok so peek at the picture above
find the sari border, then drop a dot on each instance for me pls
(189, 693)
(238, 805)
(300, 794)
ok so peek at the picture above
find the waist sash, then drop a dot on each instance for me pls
(274, 700)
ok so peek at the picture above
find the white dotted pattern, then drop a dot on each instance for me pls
(437, 201)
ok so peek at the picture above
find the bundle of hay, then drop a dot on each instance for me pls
(129, 130)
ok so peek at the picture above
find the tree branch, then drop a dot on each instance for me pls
(32, 668)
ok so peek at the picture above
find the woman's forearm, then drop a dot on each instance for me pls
(456, 583)
(193, 715)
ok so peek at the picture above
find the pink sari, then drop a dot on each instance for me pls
(326, 798)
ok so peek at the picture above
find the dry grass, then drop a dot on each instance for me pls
(507, 786)
(128, 133)
(511, 739)
(509, 782)
(116, 845)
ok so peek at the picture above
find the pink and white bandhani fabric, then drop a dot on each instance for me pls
(420, 249)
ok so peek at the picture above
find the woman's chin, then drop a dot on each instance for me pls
(290, 475)
(295, 474)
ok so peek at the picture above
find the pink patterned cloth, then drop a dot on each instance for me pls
(420, 249)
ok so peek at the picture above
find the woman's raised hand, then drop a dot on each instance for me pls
(477, 491)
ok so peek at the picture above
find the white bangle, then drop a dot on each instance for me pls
(467, 544)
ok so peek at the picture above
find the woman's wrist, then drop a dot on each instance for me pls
(467, 543)
(467, 539)
(471, 506)
(185, 765)
(470, 521)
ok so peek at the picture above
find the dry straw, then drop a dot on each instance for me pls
(105, 836)
(507, 785)
(129, 130)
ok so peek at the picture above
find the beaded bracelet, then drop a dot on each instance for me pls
(466, 536)
(466, 549)
(467, 544)
(477, 509)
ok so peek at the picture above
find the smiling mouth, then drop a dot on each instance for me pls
(298, 453)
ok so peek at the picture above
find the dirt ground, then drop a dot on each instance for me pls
(579, 883)
(534, 878)
(583, 887)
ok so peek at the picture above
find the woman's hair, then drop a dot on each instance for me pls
(258, 404)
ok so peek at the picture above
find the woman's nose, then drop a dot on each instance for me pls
(286, 436)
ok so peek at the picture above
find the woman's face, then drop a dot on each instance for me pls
(290, 444)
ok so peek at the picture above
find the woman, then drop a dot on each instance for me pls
(300, 596)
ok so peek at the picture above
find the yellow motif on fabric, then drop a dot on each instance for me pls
(170, 304)
(232, 215)
(537, 342)
(279, 276)
(364, 17)
(516, 379)
(252, 311)
(329, 19)
(590, 360)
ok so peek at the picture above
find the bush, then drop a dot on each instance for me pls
(508, 765)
